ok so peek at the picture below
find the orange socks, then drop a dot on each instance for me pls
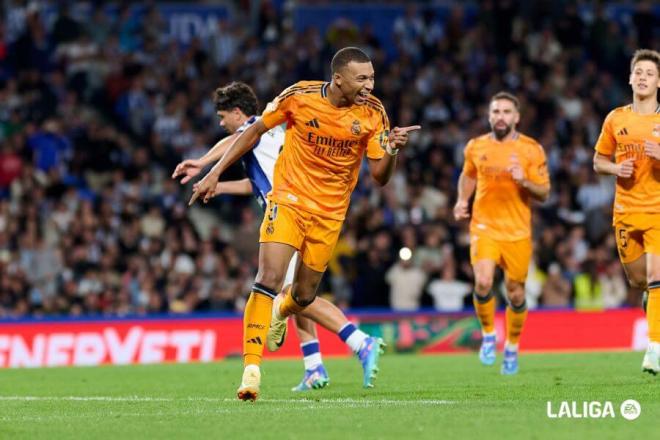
(484, 306)
(653, 311)
(289, 306)
(256, 321)
(515, 319)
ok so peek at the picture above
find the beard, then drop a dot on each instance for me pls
(500, 133)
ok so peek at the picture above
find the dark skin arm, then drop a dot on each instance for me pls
(382, 169)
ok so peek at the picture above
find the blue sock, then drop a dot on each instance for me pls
(352, 336)
(311, 354)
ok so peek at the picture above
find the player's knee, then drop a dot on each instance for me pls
(637, 282)
(514, 287)
(483, 285)
(653, 277)
(303, 297)
(305, 292)
(270, 278)
(516, 298)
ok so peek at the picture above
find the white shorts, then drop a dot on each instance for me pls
(291, 271)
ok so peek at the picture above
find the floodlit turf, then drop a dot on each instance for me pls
(435, 397)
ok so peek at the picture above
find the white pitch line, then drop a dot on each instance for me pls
(87, 398)
(341, 401)
(358, 401)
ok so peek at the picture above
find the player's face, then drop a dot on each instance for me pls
(644, 78)
(231, 120)
(502, 117)
(356, 81)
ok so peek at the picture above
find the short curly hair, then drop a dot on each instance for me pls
(236, 95)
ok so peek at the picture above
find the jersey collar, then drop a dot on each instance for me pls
(514, 137)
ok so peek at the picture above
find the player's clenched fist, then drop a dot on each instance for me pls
(461, 210)
(652, 149)
(626, 168)
(516, 170)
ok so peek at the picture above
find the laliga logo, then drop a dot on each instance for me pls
(629, 409)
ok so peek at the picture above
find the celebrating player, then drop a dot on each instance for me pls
(631, 134)
(329, 127)
(507, 170)
(236, 105)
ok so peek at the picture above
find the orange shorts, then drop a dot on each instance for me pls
(636, 235)
(512, 256)
(314, 236)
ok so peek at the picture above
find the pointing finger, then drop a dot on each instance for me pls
(407, 129)
(193, 198)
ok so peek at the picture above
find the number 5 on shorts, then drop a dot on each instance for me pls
(622, 236)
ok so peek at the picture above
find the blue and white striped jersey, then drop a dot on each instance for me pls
(259, 163)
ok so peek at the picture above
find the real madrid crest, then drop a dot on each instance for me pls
(656, 130)
(270, 229)
(355, 128)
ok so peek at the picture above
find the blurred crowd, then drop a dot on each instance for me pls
(96, 113)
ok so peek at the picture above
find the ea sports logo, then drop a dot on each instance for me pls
(630, 409)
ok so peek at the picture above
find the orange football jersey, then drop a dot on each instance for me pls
(623, 135)
(501, 209)
(323, 147)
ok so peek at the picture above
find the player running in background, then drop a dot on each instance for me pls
(507, 170)
(330, 126)
(236, 105)
(628, 149)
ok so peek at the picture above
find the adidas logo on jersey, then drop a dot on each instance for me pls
(313, 123)
(256, 340)
(622, 132)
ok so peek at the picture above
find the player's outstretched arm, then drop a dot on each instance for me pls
(191, 167)
(243, 143)
(605, 165)
(383, 168)
(241, 187)
(466, 187)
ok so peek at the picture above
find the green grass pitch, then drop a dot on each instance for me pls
(417, 397)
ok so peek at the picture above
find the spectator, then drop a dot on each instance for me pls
(406, 283)
(556, 289)
(95, 113)
(449, 293)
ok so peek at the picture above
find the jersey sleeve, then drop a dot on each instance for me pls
(280, 109)
(380, 135)
(606, 144)
(537, 170)
(469, 167)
